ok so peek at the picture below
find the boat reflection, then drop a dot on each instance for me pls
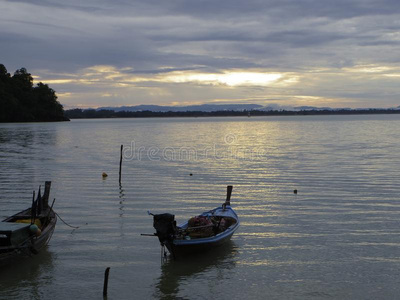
(177, 272)
(28, 275)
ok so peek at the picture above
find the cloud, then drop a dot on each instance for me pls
(181, 51)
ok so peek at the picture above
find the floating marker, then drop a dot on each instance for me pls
(33, 228)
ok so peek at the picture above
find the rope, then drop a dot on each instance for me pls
(75, 227)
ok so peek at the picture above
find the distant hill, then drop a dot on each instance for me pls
(20, 101)
(154, 111)
(202, 107)
(223, 107)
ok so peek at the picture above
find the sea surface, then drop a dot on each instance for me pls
(337, 238)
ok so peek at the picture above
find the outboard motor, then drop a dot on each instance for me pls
(164, 224)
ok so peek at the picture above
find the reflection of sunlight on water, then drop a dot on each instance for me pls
(270, 263)
(259, 224)
(258, 235)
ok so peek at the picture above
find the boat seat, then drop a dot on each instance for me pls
(13, 233)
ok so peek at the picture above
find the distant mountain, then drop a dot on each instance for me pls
(299, 108)
(210, 108)
(203, 107)
(227, 107)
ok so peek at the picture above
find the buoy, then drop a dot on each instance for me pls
(295, 191)
(104, 175)
(191, 174)
(33, 228)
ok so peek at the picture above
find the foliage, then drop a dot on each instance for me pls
(20, 101)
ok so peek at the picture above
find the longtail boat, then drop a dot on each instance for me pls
(28, 231)
(201, 233)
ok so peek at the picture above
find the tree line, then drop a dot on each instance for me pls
(78, 113)
(20, 101)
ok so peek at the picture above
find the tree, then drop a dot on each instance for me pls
(23, 79)
(46, 106)
(3, 72)
(8, 104)
(21, 102)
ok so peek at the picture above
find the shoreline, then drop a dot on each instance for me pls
(102, 114)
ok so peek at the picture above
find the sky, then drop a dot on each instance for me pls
(94, 53)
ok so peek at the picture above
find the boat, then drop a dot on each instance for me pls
(201, 233)
(28, 231)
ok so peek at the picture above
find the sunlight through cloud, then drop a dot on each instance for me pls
(229, 78)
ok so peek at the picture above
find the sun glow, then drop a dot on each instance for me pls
(228, 78)
(124, 77)
(372, 68)
(59, 81)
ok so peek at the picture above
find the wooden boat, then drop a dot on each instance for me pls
(201, 233)
(28, 231)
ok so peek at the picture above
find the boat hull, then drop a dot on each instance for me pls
(182, 247)
(32, 245)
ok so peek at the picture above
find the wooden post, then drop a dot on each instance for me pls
(228, 195)
(105, 286)
(120, 164)
(46, 194)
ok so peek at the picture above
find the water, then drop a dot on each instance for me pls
(338, 238)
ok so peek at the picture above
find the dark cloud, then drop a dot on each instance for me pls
(286, 8)
(158, 37)
(154, 26)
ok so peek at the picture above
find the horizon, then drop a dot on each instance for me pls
(260, 107)
(96, 54)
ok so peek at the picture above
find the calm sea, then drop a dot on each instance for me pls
(338, 238)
